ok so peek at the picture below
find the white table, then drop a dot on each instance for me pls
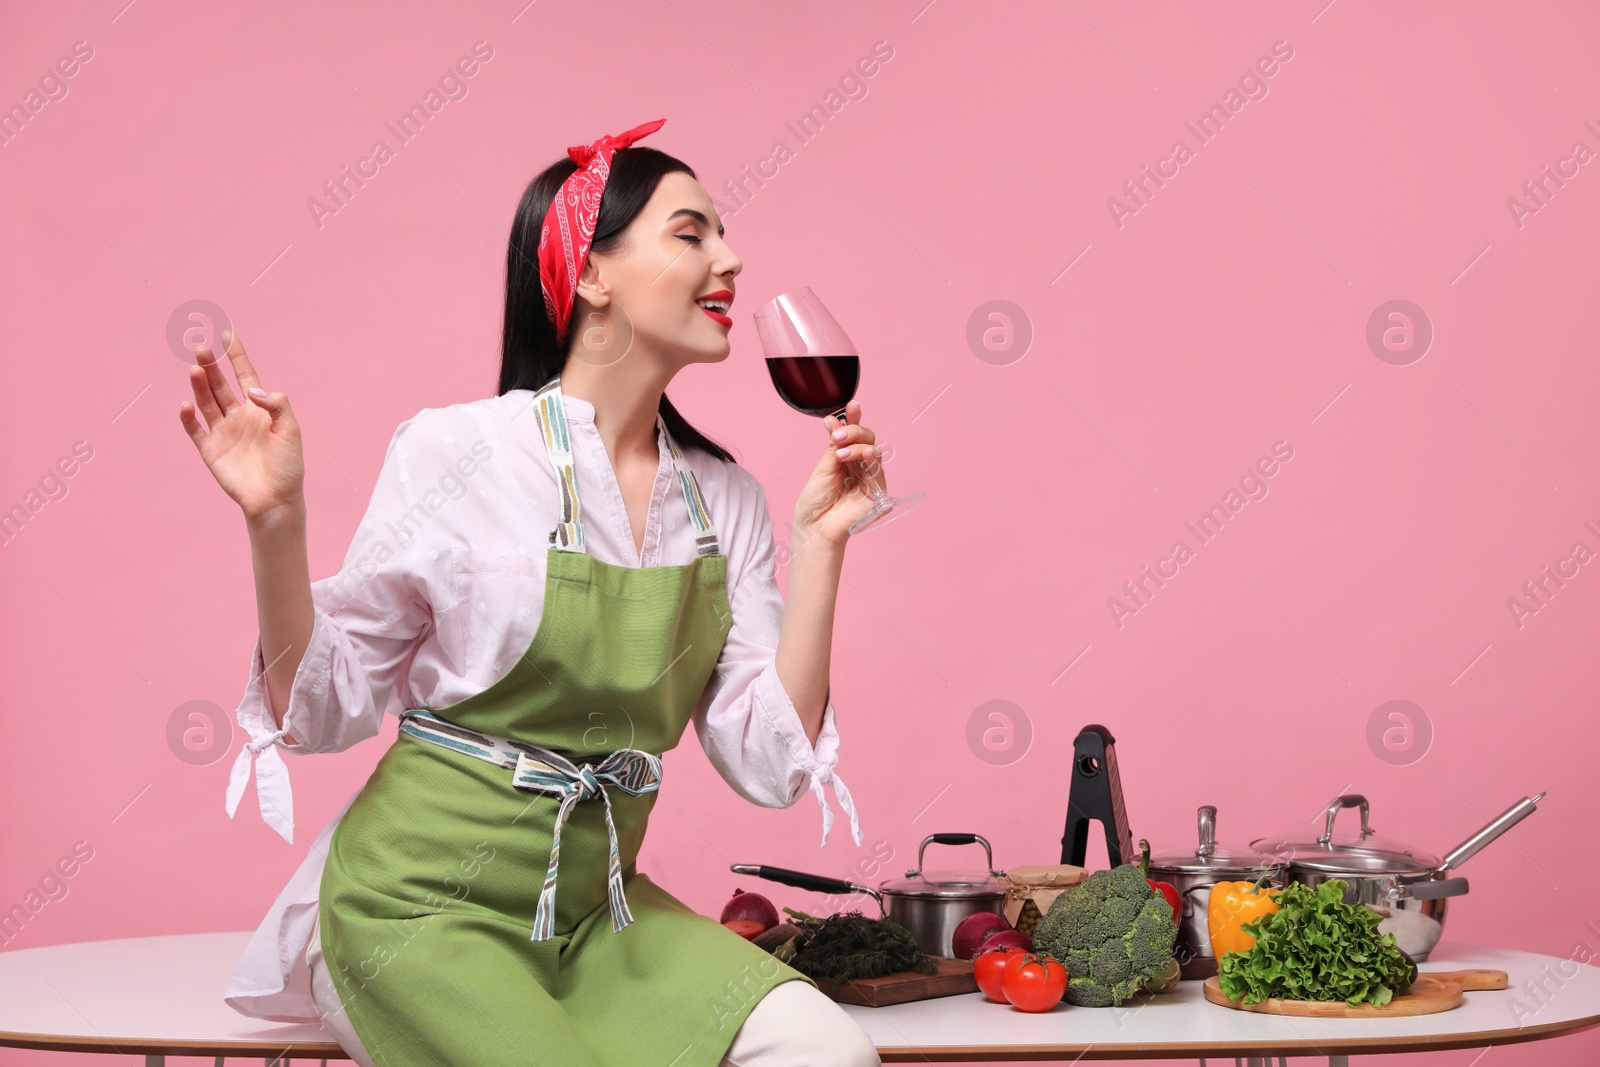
(1183, 1025)
(162, 996)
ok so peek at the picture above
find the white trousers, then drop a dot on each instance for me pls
(794, 1025)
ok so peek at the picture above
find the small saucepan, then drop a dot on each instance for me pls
(931, 904)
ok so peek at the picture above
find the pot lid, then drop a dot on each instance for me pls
(1207, 857)
(950, 884)
(946, 885)
(1345, 851)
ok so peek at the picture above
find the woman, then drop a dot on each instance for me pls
(426, 925)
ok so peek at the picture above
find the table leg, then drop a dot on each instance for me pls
(155, 1061)
(1338, 1061)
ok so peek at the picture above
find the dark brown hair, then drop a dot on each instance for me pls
(529, 353)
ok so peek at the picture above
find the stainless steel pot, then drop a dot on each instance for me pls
(931, 904)
(1406, 885)
(1192, 872)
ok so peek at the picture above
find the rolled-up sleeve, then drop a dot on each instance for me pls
(366, 623)
(746, 721)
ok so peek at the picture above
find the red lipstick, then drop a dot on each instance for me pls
(722, 296)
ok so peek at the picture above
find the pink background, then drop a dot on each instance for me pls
(976, 164)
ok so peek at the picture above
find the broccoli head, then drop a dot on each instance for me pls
(1111, 932)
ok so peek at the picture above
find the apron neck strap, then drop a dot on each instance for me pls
(568, 533)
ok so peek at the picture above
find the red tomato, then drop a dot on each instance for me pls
(1033, 981)
(987, 967)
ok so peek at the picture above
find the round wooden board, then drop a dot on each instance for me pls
(1431, 992)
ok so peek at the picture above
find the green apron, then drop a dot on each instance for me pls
(430, 900)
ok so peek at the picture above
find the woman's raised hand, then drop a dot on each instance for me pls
(252, 446)
(836, 494)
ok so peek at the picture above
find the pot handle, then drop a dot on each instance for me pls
(1348, 800)
(1431, 889)
(1270, 883)
(1206, 822)
(1190, 905)
(955, 839)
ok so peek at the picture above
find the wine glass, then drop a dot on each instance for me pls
(816, 369)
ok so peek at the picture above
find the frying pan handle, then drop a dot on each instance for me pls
(801, 880)
(1502, 822)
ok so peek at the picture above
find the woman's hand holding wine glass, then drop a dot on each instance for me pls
(252, 447)
(815, 368)
(834, 498)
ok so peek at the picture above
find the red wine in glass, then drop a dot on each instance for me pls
(816, 385)
(815, 368)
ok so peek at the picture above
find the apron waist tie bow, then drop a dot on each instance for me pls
(540, 770)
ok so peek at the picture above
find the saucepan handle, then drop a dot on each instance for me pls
(1434, 889)
(801, 880)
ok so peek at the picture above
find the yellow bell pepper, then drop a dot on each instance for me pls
(1232, 905)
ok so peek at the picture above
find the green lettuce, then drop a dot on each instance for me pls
(1317, 947)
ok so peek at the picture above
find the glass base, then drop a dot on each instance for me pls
(885, 510)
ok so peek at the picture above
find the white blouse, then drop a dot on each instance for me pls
(441, 592)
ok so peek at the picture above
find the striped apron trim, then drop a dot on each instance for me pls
(552, 418)
(568, 532)
(539, 770)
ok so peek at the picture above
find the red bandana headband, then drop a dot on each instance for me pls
(569, 224)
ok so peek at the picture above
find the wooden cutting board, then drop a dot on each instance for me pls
(954, 976)
(1433, 991)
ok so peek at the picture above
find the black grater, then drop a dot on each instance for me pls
(1096, 794)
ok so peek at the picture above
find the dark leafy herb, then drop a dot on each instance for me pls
(848, 945)
(1317, 947)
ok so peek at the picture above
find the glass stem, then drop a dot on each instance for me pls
(869, 467)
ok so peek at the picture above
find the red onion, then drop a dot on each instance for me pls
(972, 931)
(752, 906)
(1007, 939)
